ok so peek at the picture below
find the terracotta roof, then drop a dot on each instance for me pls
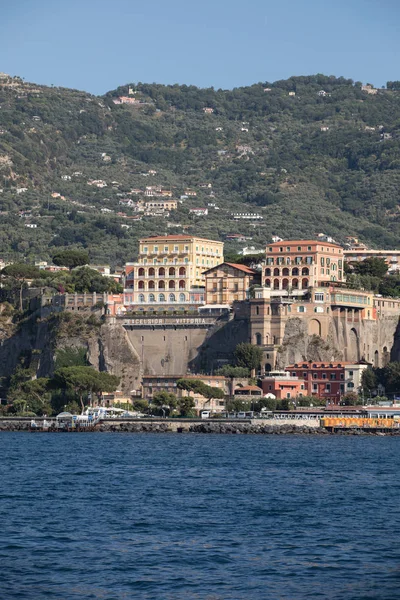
(300, 242)
(178, 237)
(241, 267)
(235, 266)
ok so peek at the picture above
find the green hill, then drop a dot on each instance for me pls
(309, 154)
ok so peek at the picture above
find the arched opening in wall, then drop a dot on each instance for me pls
(141, 272)
(276, 284)
(182, 284)
(285, 272)
(151, 272)
(376, 359)
(295, 272)
(305, 271)
(268, 283)
(182, 297)
(161, 272)
(285, 284)
(353, 350)
(152, 285)
(152, 298)
(161, 297)
(258, 339)
(295, 284)
(172, 298)
(385, 356)
(141, 285)
(304, 284)
(267, 368)
(314, 327)
(141, 297)
(182, 271)
(276, 272)
(171, 285)
(267, 272)
(172, 272)
(161, 285)
(267, 339)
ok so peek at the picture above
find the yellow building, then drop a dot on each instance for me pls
(171, 268)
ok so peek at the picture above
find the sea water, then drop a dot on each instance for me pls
(169, 516)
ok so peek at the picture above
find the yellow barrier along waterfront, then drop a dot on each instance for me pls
(335, 423)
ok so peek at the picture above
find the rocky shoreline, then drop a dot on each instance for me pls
(230, 428)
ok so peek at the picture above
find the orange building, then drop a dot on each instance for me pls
(300, 264)
(228, 282)
(283, 385)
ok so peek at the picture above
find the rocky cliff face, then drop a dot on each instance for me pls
(107, 345)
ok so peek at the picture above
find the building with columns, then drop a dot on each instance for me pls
(300, 264)
(170, 269)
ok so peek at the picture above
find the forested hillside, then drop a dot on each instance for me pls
(308, 154)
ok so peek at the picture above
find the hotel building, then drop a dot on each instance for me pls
(170, 269)
(300, 264)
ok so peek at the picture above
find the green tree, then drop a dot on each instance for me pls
(15, 277)
(368, 380)
(350, 399)
(71, 258)
(233, 372)
(376, 267)
(199, 387)
(82, 380)
(186, 406)
(248, 356)
(164, 400)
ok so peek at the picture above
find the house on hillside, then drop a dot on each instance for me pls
(199, 212)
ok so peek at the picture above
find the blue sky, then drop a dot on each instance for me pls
(96, 45)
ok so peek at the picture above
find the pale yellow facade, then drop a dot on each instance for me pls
(169, 267)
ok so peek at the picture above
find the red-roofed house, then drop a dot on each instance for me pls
(228, 282)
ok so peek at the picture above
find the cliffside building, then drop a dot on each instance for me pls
(228, 282)
(170, 269)
(300, 264)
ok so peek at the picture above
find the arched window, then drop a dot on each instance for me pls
(182, 272)
(295, 284)
(268, 272)
(295, 272)
(276, 284)
(304, 284)
(161, 298)
(161, 272)
(276, 272)
(258, 339)
(268, 283)
(161, 285)
(141, 297)
(182, 297)
(285, 284)
(181, 284)
(141, 285)
(172, 297)
(152, 298)
(152, 285)
(151, 272)
(171, 285)
(141, 272)
(285, 272)
(171, 272)
(305, 271)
